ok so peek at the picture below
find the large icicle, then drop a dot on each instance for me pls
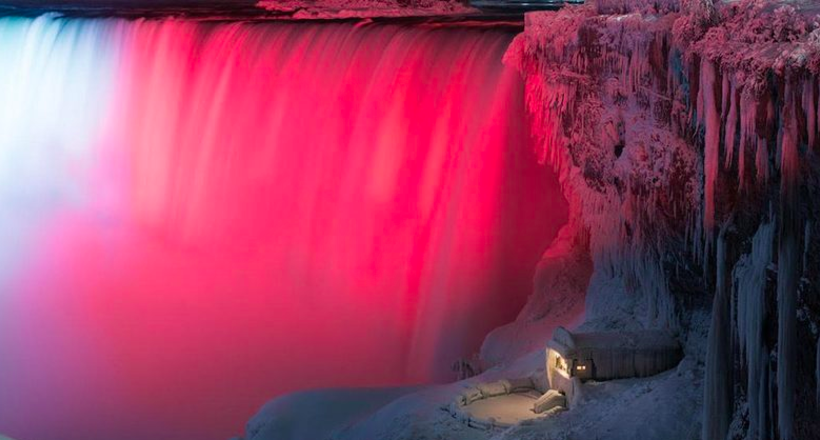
(711, 119)
(817, 371)
(788, 269)
(717, 403)
(750, 283)
(809, 106)
(747, 134)
(731, 121)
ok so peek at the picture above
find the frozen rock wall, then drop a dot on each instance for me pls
(685, 135)
(600, 103)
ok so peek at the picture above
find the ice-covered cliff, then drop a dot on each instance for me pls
(688, 136)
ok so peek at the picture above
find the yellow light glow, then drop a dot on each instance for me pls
(560, 363)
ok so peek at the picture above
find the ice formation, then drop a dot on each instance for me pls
(734, 86)
(750, 279)
(717, 408)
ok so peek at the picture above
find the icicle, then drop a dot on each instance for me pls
(817, 372)
(762, 143)
(724, 99)
(788, 271)
(711, 119)
(748, 110)
(769, 401)
(648, 271)
(731, 123)
(806, 245)
(762, 160)
(810, 109)
(750, 282)
(717, 403)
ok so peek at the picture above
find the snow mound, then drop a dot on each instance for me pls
(318, 414)
(661, 407)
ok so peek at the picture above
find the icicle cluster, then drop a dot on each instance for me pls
(596, 110)
(749, 283)
(717, 404)
(756, 114)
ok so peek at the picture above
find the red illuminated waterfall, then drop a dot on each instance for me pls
(208, 215)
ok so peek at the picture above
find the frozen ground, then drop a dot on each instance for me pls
(666, 406)
(317, 414)
(662, 407)
(611, 410)
(507, 409)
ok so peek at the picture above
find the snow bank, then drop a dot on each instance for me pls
(663, 407)
(318, 414)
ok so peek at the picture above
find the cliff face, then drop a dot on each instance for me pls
(686, 138)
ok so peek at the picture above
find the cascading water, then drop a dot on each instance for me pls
(199, 216)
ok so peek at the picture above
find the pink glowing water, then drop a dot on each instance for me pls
(200, 217)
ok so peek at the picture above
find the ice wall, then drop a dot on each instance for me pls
(197, 217)
(590, 103)
(669, 122)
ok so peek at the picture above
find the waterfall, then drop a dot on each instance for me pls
(198, 216)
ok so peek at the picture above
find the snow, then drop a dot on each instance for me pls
(416, 416)
(318, 414)
(621, 409)
(612, 410)
(507, 409)
(634, 340)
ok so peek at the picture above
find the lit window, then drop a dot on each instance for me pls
(561, 364)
